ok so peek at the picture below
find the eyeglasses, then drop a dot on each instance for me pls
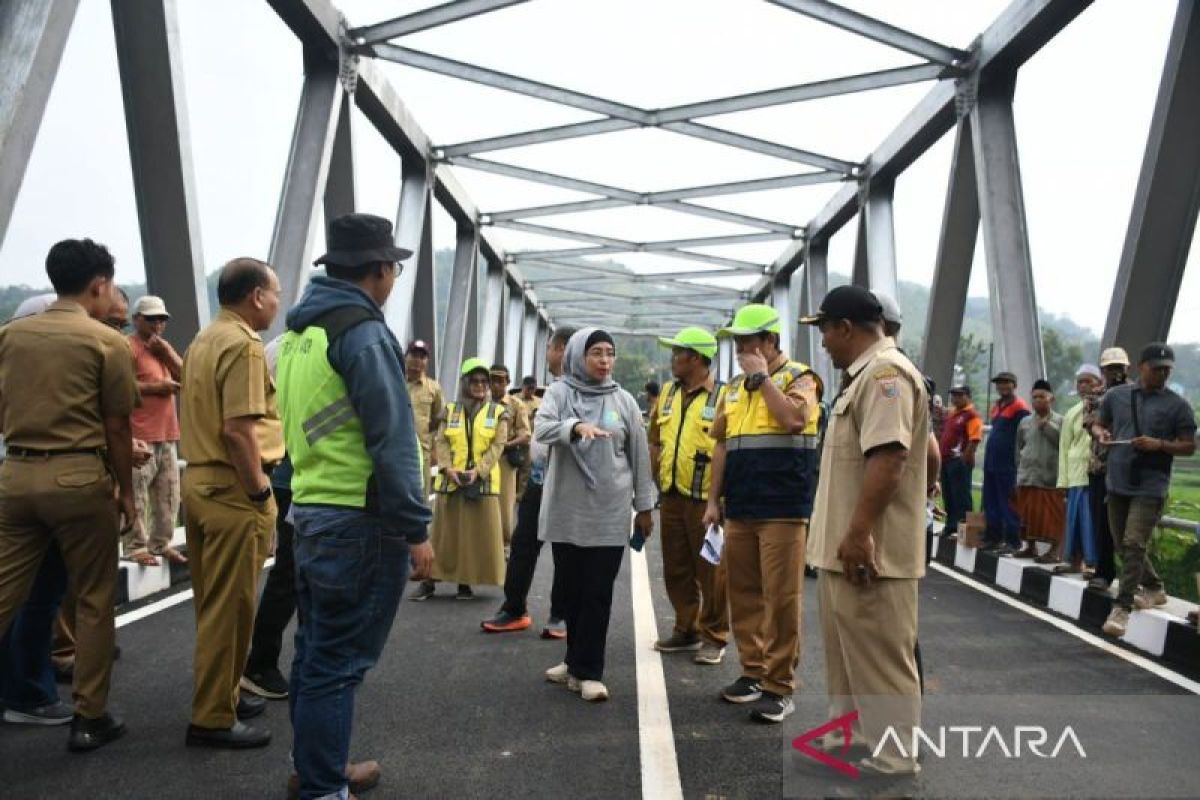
(155, 318)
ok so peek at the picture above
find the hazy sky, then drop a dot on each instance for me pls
(1083, 108)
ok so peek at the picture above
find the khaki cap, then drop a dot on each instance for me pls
(150, 306)
(1114, 355)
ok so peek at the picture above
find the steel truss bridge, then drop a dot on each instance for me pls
(526, 293)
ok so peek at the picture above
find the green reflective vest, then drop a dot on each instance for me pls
(323, 434)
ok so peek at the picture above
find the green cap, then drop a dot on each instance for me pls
(693, 338)
(473, 364)
(752, 319)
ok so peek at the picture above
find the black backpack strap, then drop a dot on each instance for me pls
(338, 320)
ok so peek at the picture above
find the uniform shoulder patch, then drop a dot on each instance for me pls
(887, 378)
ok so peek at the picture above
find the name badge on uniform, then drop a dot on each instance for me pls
(708, 414)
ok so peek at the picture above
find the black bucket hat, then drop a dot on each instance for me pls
(358, 239)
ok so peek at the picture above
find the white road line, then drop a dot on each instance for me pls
(1070, 628)
(656, 739)
(162, 605)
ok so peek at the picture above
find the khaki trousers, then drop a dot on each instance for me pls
(156, 491)
(508, 498)
(870, 634)
(765, 564)
(228, 539)
(68, 499)
(697, 589)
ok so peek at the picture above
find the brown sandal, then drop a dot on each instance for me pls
(174, 556)
(144, 559)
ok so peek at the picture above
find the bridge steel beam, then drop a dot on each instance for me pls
(816, 280)
(413, 291)
(428, 18)
(803, 347)
(952, 272)
(514, 317)
(148, 57)
(341, 196)
(491, 332)
(1163, 219)
(540, 369)
(1016, 332)
(529, 328)
(460, 337)
(304, 179)
(422, 321)
(33, 35)
(783, 299)
(1013, 38)
(875, 245)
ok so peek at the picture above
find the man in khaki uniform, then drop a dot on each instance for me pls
(231, 439)
(532, 403)
(66, 392)
(867, 535)
(520, 435)
(427, 403)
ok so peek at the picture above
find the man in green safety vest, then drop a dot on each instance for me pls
(357, 491)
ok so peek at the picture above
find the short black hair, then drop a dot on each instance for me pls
(563, 335)
(74, 263)
(355, 274)
(499, 368)
(529, 380)
(652, 387)
(239, 278)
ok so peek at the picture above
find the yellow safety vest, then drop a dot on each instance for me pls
(468, 440)
(770, 472)
(686, 455)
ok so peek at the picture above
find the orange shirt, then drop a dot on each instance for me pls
(156, 420)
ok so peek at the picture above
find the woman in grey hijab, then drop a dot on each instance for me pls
(599, 471)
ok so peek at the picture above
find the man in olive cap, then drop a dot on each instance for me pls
(681, 450)
(357, 491)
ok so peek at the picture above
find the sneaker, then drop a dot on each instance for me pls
(423, 592)
(559, 673)
(593, 691)
(743, 690)
(268, 683)
(1117, 622)
(678, 642)
(555, 629)
(56, 713)
(505, 622)
(709, 654)
(771, 707)
(1150, 598)
(464, 593)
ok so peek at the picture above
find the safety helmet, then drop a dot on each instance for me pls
(693, 338)
(473, 365)
(752, 319)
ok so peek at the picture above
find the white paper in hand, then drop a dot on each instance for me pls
(714, 542)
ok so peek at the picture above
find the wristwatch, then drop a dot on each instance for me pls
(261, 497)
(756, 380)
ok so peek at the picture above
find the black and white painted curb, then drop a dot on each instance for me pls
(1163, 634)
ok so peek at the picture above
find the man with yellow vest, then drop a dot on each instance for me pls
(357, 493)
(764, 467)
(681, 451)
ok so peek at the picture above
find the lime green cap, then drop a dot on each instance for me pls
(693, 338)
(752, 319)
(472, 364)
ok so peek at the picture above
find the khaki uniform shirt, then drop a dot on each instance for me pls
(427, 405)
(225, 376)
(61, 374)
(884, 403)
(520, 416)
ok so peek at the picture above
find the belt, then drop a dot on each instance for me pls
(30, 452)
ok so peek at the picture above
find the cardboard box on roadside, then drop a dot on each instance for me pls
(973, 528)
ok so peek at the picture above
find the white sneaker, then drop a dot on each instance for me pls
(593, 691)
(558, 673)
(709, 654)
(1117, 622)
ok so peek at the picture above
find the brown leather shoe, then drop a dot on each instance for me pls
(362, 777)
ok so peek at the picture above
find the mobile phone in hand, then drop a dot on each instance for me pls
(637, 540)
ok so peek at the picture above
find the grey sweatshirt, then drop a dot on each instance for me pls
(598, 517)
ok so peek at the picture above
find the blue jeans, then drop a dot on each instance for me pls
(1080, 532)
(26, 675)
(350, 574)
(1003, 524)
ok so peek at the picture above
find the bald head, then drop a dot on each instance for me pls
(249, 288)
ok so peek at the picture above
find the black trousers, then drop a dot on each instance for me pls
(1106, 567)
(587, 575)
(956, 491)
(523, 557)
(278, 601)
